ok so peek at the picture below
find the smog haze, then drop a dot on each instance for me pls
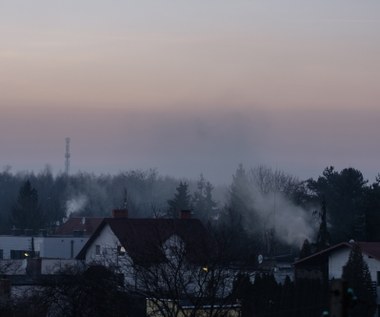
(190, 87)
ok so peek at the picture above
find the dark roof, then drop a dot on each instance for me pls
(87, 225)
(143, 238)
(369, 248)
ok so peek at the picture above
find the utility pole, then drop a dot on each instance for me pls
(67, 157)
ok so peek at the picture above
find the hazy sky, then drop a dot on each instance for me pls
(190, 86)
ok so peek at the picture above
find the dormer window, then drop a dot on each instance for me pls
(120, 250)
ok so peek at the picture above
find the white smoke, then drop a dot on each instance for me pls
(271, 210)
(75, 204)
(292, 224)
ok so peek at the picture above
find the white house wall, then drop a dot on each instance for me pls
(8, 243)
(59, 247)
(47, 247)
(373, 265)
(339, 258)
(108, 243)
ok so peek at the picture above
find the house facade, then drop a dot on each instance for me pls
(163, 260)
(59, 247)
(328, 264)
(132, 244)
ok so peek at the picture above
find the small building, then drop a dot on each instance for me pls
(21, 247)
(328, 264)
(66, 242)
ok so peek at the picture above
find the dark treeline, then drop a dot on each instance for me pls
(256, 208)
(52, 198)
(263, 211)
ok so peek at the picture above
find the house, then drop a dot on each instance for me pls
(21, 247)
(66, 242)
(129, 242)
(163, 259)
(328, 264)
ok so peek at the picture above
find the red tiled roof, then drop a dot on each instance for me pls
(143, 238)
(86, 224)
(369, 248)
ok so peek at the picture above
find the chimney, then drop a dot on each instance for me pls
(120, 213)
(185, 214)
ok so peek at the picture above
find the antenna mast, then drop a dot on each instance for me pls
(67, 156)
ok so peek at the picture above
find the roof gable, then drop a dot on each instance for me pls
(143, 239)
(369, 248)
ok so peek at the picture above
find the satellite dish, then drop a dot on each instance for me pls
(260, 258)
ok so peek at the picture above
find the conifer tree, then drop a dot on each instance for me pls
(358, 278)
(203, 201)
(181, 200)
(323, 238)
(306, 249)
(26, 213)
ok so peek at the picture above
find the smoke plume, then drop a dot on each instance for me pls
(292, 224)
(75, 204)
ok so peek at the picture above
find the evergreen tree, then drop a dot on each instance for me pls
(306, 249)
(323, 237)
(358, 278)
(344, 194)
(240, 219)
(240, 209)
(372, 211)
(203, 203)
(26, 213)
(181, 200)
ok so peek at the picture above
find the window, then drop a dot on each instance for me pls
(120, 250)
(22, 254)
(378, 278)
(97, 249)
(1, 254)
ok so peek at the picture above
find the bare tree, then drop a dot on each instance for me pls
(78, 291)
(186, 282)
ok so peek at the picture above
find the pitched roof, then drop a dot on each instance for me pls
(143, 238)
(87, 225)
(369, 248)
